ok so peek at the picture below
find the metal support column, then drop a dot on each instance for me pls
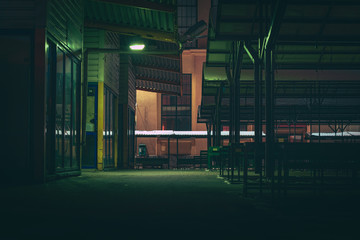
(208, 128)
(214, 134)
(218, 115)
(231, 105)
(258, 132)
(269, 112)
(168, 152)
(239, 58)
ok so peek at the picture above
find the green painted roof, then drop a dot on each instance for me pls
(134, 20)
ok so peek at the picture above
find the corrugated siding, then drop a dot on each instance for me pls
(129, 16)
(17, 14)
(132, 87)
(65, 22)
(124, 79)
(127, 90)
(112, 62)
(94, 38)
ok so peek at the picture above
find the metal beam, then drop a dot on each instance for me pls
(296, 20)
(251, 52)
(218, 116)
(122, 51)
(148, 79)
(141, 4)
(274, 29)
(269, 112)
(231, 108)
(238, 65)
(129, 30)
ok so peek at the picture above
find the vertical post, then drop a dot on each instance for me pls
(177, 149)
(319, 107)
(269, 113)
(84, 95)
(214, 133)
(231, 113)
(168, 152)
(208, 128)
(258, 99)
(257, 119)
(245, 171)
(239, 51)
(100, 126)
(218, 116)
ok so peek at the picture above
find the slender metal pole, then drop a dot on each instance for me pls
(256, 116)
(258, 100)
(177, 149)
(213, 132)
(218, 115)
(208, 128)
(169, 152)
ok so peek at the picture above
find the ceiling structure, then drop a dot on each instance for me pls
(307, 36)
(154, 21)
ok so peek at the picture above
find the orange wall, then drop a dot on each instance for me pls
(148, 110)
(148, 117)
(192, 62)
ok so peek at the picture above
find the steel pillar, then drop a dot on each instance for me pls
(238, 63)
(214, 134)
(208, 128)
(257, 116)
(218, 116)
(231, 106)
(269, 112)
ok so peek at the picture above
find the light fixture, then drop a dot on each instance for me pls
(137, 45)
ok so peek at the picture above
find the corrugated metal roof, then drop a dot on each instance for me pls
(156, 62)
(153, 20)
(155, 75)
(314, 34)
(131, 20)
(152, 86)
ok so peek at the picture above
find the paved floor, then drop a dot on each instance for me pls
(168, 204)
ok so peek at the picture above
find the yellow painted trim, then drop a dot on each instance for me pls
(100, 126)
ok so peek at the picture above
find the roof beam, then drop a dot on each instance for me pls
(293, 20)
(252, 53)
(142, 4)
(142, 78)
(146, 33)
(274, 29)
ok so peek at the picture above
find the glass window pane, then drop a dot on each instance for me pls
(104, 126)
(75, 157)
(183, 123)
(67, 118)
(59, 109)
(168, 123)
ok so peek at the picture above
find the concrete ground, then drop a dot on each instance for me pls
(169, 204)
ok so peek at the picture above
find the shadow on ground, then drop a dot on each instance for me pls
(169, 204)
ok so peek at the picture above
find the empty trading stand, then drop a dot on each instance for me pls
(151, 162)
(321, 166)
